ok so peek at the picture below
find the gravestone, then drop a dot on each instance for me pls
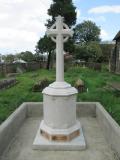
(59, 129)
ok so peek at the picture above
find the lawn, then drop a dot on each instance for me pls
(95, 81)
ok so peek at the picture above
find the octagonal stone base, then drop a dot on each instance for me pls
(60, 135)
(42, 143)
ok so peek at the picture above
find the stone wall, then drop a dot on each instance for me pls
(91, 65)
(12, 68)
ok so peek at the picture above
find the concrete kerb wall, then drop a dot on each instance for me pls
(9, 127)
(34, 109)
(110, 128)
(85, 109)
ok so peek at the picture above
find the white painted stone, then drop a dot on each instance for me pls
(60, 112)
(59, 98)
(60, 89)
(59, 32)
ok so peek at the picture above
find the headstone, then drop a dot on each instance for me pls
(59, 129)
(80, 86)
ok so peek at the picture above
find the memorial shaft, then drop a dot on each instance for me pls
(59, 52)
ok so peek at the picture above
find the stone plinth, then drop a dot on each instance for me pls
(59, 129)
(59, 112)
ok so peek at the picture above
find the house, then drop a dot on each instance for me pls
(115, 55)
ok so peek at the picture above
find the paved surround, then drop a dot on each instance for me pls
(94, 118)
(21, 146)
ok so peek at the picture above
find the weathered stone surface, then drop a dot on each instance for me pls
(80, 85)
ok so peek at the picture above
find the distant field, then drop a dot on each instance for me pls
(95, 81)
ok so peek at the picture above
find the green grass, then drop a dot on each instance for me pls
(95, 81)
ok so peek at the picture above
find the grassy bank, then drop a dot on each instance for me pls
(95, 81)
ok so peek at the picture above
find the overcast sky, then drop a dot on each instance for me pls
(22, 21)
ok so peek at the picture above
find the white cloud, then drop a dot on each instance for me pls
(12, 34)
(3, 16)
(104, 35)
(78, 13)
(7, 2)
(105, 9)
(22, 23)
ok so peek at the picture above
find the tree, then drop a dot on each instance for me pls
(94, 51)
(66, 9)
(9, 58)
(45, 45)
(81, 52)
(106, 51)
(26, 56)
(89, 51)
(87, 31)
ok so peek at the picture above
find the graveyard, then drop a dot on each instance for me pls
(95, 81)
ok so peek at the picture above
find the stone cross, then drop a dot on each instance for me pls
(59, 100)
(59, 33)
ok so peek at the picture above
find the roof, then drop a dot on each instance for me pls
(19, 61)
(117, 36)
(1, 62)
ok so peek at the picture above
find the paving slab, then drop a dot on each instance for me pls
(21, 146)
